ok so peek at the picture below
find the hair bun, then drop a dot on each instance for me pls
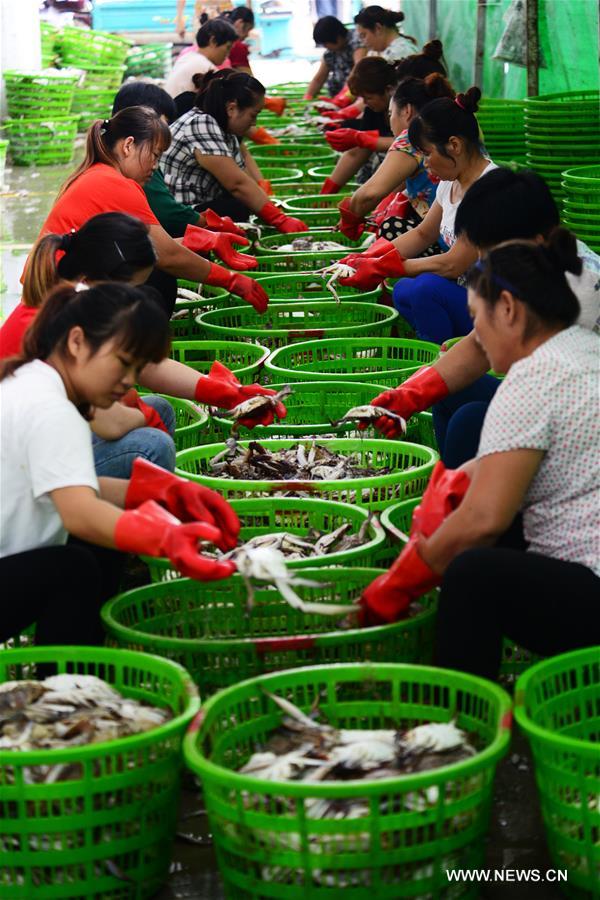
(398, 16)
(436, 85)
(561, 249)
(433, 49)
(469, 101)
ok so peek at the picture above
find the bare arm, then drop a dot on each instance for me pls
(251, 166)
(113, 490)
(359, 54)
(175, 259)
(451, 264)
(234, 180)
(463, 364)
(384, 144)
(495, 495)
(87, 516)
(390, 176)
(418, 239)
(170, 377)
(348, 165)
(111, 424)
(318, 80)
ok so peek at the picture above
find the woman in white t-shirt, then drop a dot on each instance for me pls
(84, 350)
(538, 457)
(431, 296)
(214, 41)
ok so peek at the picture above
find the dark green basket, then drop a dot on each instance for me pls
(284, 323)
(80, 47)
(208, 628)
(35, 95)
(245, 359)
(415, 827)
(558, 708)
(41, 142)
(92, 103)
(386, 361)
(105, 828)
(409, 465)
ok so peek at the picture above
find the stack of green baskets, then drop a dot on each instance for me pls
(581, 203)
(562, 130)
(400, 835)
(558, 707)
(49, 39)
(3, 151)
(150, 60)
(40, 129)
(503, 126)
(106, 814)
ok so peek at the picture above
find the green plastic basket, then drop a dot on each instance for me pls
(105, 828)
(301, 188)
(558, 707)
(410, 467)
(246, 360)
(3, 152)
(269, 244)
(386, 361)
(41, 142)
(81, 47)
(417, 826)
(104, 77)
(93, 103)
(322, 171)
(280, 174)
(190, 420)
(209, 629)
(33, 95)
(295, 516)
(298, 155)
(284, 323)
(48, 34)
(150, 60)
(183, 323)
(305, 265)
(313, 203)
(289, 89)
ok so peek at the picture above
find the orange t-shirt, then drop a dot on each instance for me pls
(13, 330)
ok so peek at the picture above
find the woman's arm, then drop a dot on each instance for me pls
(234, 180)
(87, 516)
(495, 496)
(348, 165)
(451, 264)
(170, 377)
(359, 54)
(318, 80)
(462, 364)
(175, 259)
(390, 176)
(112, 423)
(422, 236)
(251, 166)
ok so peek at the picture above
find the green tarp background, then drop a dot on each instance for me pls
(568, 32)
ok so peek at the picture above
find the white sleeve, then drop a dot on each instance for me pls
(59, 449)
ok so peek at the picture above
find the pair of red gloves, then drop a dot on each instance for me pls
(379, 262)
(388, 598)
(221, 388)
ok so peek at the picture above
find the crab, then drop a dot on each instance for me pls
(335, 272)
(369, 414)
(434, 737)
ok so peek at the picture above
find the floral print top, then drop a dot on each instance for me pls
(422, 186)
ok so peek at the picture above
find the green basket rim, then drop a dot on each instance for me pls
(574, 173)
(100, 655)
(390, 510)
(562, 97)
(202, 766)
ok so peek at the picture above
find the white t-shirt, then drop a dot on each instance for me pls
(587, 288)
(398, 49)
(45, 444)
(550, 401)
(180, 78)
(443, 197)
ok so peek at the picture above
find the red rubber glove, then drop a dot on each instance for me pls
(153, 531)
(372, 270)
(188, 501)
(379, 247)
(202, 241)
(418, 392)
(221, 388)
(329, 187)
(244, 287)
(275, 105)
(343, 98)
(350, 224)
(260, 135)
(346, 138)
(272, 215)
(351, 112)
(222, 223)
(266, 186)
(153, 420)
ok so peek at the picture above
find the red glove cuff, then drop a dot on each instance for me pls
(219, 277)
(329, 187)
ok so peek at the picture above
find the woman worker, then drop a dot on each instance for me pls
(376, 28)
(214, 41)
(343, 49)
(207, 166)
(430, 296)
(121, 155)
(85, 350)
(538, 456)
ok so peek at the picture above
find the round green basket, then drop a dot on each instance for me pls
(315, 202)
(295, 516)
(190, 420)
(300, 188)
(104, 77)
(150, 60)
(92, 103)
(582, 185)
(81, 47)
(558, 708)
(305, 265)
(183, 325)
(48, 34)
(410, 466)
(270, 171)
(111, 818)
(417, 826)
(246, 360)
(283, 323)
(385, 361)
(208, 628)
(288, 89)
(41, 142)
(33, 95)
(299, 155)
(270, 243)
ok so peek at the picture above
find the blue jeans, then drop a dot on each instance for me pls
(458, 420)
(434, 306)
(115, 458)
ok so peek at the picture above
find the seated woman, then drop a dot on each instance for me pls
(343, 49)
(538, 457)
(431, 296)
(83, 351)
(207, 166)
(214, 41)
(377, 29)
(402, 176)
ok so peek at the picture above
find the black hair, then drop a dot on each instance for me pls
(131, 316)
(240, 13)
(371, 16)
(442, 119)
(420, 91)
(371, 75)
(144, 93)
(219, 29)
(428, 61)
(535, 275)
(216, 89)
(109, 247)
(518, 205)
(328, 30)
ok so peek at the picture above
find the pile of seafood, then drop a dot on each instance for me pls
(65, 711)
(297, 463)
(309, 244)
(315, 543)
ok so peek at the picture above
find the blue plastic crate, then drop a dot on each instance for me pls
(138, 15)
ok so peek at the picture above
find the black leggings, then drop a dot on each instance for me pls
(61, 589)
(227, 205)
(488, 593)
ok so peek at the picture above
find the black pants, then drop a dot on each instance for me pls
(166, 285)
(227, 205)
(61, 589)
(488, 593)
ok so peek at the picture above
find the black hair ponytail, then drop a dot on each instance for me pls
(216, 89)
